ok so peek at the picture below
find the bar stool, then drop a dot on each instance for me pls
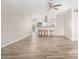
(46, 33)
(39, 33)
(42, 33)
(51, 31)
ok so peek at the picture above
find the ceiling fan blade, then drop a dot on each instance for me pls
(57, 5)
(56, 8)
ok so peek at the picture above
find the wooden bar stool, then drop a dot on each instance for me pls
(51, 31)
(42, 33)
(46, 33)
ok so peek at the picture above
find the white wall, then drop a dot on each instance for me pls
(67, 27)
(59, 25)
(74, 26)
(15, 23)
(71, 25)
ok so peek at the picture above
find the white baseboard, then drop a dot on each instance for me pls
(67, 38)
(71, 39)
(75, 40)
(16, 40)
(58, 35)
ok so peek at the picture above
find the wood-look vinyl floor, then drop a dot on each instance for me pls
(56, 47)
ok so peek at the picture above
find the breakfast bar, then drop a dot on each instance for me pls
(45, 31)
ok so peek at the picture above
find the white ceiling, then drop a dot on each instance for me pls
(39, 6)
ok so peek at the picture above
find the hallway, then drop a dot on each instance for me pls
(57, 47)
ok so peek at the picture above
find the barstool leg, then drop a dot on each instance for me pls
(50, 33)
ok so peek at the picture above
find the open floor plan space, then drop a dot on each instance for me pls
(57, 47)
(39, 29)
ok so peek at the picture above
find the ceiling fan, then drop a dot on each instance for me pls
(51, 5)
